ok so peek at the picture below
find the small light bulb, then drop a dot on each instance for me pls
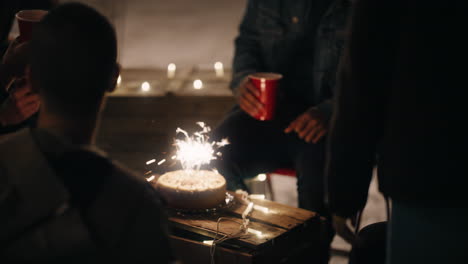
(150, 161)
(197, 84)
(257, 196)
(208, 242)
(150, 178)
(262, 177)
(262, 209)
(255, 232)
(145, 86)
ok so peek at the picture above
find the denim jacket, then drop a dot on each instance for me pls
(301, 39)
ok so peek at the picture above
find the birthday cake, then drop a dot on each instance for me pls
(192, 189)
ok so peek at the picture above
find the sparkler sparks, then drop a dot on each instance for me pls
(223, 142)
(195, 151)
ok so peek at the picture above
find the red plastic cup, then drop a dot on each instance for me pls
(267, 83)
(26, 21)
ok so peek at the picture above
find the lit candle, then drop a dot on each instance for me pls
(197, 84)
(119, 80)
(171, 68)
(218, 66)
(145, 86)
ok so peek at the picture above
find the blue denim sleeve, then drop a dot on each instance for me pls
(326, 108)
(247, 56)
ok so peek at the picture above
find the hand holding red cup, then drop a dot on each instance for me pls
(26, 21)
(267, 85)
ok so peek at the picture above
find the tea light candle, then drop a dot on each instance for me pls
(171, 68)
(219, 69)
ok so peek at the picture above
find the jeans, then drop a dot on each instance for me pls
(262, 146)
(370, 244)
(427, 235)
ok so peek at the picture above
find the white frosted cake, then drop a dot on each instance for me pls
(192, 190)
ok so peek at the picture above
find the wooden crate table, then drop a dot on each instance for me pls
(288, 235)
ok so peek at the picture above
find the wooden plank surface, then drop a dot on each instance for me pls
(189, 251)
(278, 215)
(274, 225)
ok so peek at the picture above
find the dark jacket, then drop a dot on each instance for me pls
(60, 203)
(400, 98)
(300, 39)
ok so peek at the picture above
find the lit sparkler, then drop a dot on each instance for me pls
(195, 151)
